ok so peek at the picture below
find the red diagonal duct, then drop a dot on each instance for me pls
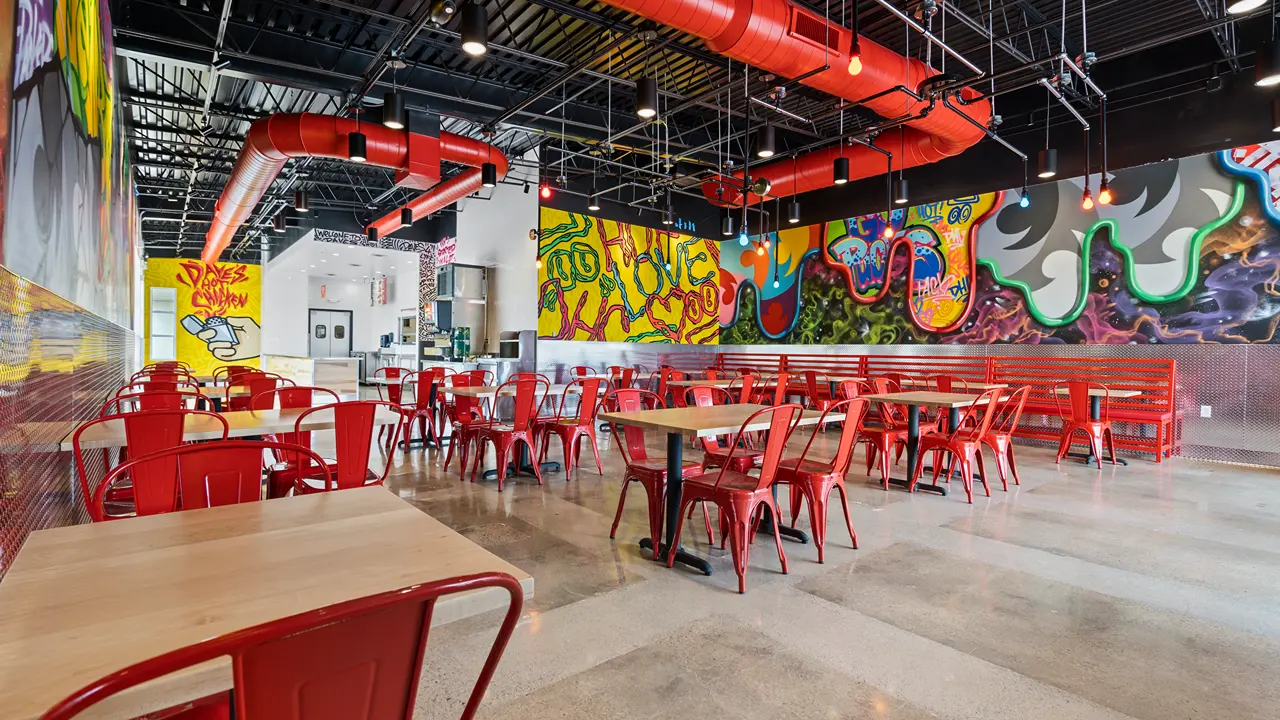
(272, 140)
(779, 37)
(457, 149)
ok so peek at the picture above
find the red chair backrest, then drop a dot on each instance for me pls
(947, 383)
(526, 398)
(481, 378)
(589, 394)
(779, 387)
(811, 384)
(132, 402)
(353, 440)
(1010, 411)
(855, 411)
(147, 432)
(631, 400)
(393, 391)
(580, 371)
(357, 659)
(783, 420)
(464, 406)
(707, 395)
(711, 374)
(1077, 408)
(848, 389)
(741, 386)
(893, 415)
(290, 397)
(982, 414)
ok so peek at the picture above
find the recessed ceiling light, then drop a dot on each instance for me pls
(335, 254)
(313, 266)
(323, 260)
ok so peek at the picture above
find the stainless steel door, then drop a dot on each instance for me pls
(320, 334)
(339, 333)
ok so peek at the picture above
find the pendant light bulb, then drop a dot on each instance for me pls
(538, 262)
(356, 144)
(1104, 193)
(545, 191)
(393, 110)
(1086, 202)
(776, 284)
(1047, 163)
(888, 231)
(647, 98)
(1267, 64)
(855, 56)
(900, 191)
(474, 29)
(1024, 200)
(760, 249)
(743, 240)
(840, 170)
(766, 143)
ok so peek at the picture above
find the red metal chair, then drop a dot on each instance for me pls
(146, 432)
(773, 391)
(741, 387)
(942, 384)
(678, 395)
(282, 476)
(741, 498)
(353, 424)
(504, 436)
(812, 481)
(1000, 437)
(621, 377)
(483, 378)
(132, 402)
(467, 416)
(817, 388)
(177, 375)
(850, 389)
(423, 407)
(571, 429)
(577, 372)
(392, 393)
(891, 434)
(148, 386)
(964, 443)
(205, 474)
(651, 473)
(256, 383)
(711, 374)
(714, 453)
(357, 659)
(223, 373)
(1076, 417)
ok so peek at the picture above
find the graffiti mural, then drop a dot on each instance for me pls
(611, 281)
(67, 189)
(218, 313)
(1189, 251)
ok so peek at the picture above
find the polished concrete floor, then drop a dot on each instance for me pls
(1148, 591)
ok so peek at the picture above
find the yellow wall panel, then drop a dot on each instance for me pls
(219, 311)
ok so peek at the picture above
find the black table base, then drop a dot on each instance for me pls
(682, 556)
(525, 467)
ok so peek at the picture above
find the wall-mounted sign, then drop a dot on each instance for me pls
(686, 225)
(446, 251)
(380, 293)
(323, 289)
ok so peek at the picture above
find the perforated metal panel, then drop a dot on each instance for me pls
(1237, 382)
(57, 363)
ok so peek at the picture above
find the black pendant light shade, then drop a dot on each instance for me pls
(372, 234)
(840, 169)
(593, 203)
(474, 29)
(300, 201)
(668, 217)
(647, 98)
(1267, 64)
(279, 222)
(356, 147)
(793, 211)
(1047, 163)
(900, 191)
(767, 142)
(489, 175)
(393, 110)
(406, 217)
(726, 225)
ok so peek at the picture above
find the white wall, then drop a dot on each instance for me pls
(284, 309)
(494, 233)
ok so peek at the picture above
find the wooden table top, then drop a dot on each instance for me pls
(240, 423)
(704, 421)
(1100, 392)
(926, 398)
(490, 391)
(83, 601)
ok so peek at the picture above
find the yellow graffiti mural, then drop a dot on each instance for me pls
(610, 281)
(217, 316)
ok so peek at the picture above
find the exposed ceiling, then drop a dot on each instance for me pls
(196, 74)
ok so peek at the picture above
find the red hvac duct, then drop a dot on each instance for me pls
(272, 140)
(780, 37)
(458, 149)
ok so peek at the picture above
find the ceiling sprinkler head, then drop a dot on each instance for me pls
(928, 9)
(396, 62)
(994, 122)
(1086, 60)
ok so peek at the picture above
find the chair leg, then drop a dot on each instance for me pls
(502, 447)
(449, 453)
(1095, 443)
(533, 453)
(463, 439)
(480, 447)
(739, 545)
(706, 519)
(617, 516)
(1064, 444)
(1002, 464)
(871, 457)
(656, 494)
(1111, 445)
(566, 446)
(844, 505)
(1013, 466)
(818, 519)
(777, 534)
(884, 466)
(595, 449)
(982, 469)
(966, 474)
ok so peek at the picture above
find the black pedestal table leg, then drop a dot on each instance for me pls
(913, 447)
(675, 485)
(786, 531)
